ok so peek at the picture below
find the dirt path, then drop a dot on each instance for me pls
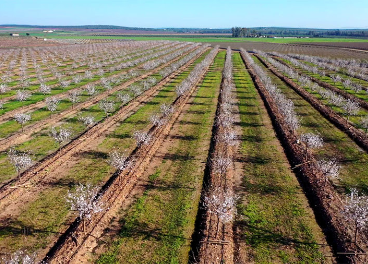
(216, 244)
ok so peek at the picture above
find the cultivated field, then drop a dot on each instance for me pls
(182, 152)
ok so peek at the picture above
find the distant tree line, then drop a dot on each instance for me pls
(239, 32)
(242, 32)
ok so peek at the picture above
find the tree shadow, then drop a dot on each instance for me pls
(120, 136)
(93, 155)
(143, 231)
(177, 157)
(188, 122)
(251, 138)
(196, 112)
(11, 227)
(257, 236)
(188, 138)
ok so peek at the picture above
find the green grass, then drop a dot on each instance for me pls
(275, 222)
(213, 39)
(158, 227)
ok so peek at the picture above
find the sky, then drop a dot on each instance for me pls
(188, 13)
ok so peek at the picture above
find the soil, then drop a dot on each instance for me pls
(295, 48)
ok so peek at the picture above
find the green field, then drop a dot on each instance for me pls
(194, 38)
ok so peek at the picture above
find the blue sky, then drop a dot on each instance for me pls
(188, 13)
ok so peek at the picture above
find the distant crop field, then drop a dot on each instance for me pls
(204, 38)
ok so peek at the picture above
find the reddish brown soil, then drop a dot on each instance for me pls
(348, 45)
(294, 48)
(22, 42)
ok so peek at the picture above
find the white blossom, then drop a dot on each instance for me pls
(20, 160)
(142, 138)
(22, 118)
(87, 120)
(119, 160)
(60, 134)
(20, 257)
(23, 95)
(52, 103)
(311, 140)
(107, 106)
(83, 200)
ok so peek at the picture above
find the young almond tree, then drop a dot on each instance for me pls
(22, 118)
(156, 120)
(3, 88)
(77, 79)
(87, 120)
(20, 257)
(20, 160)
(142, 138)
(136, 90)
(222, 204)
(52, 103)
(221, 164)
(84, 201)
(90, 89)
(23, 95)
(229, 138)
(351, 108)
(356, 210)
(120, 161)
(329, 168)
(311, 141)
(74, 97)
(167, 109)
(64, 83)
(60, 135)
(107, 106)
(88, 75)
(45, 89)
(123, 98)
(364, 123)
